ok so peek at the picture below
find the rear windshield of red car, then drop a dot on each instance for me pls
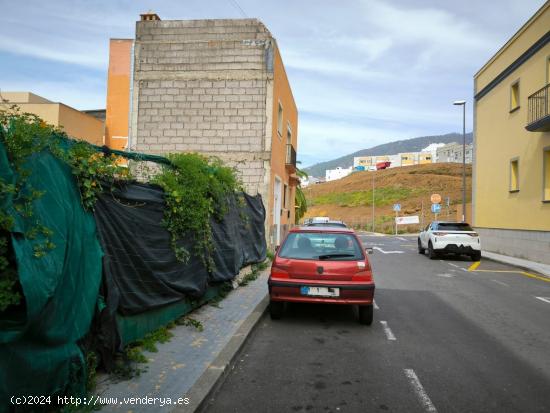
(454, 226)
(321, 246)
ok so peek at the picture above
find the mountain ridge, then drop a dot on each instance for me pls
(390, 148)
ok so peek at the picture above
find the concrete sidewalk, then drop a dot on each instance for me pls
(190, 364)
(543, 269)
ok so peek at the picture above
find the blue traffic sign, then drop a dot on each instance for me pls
(397, 207)
(436, 208)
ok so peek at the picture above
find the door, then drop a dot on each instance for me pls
(277, 210)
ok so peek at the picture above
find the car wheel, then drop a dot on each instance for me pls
(366, 314)
(420, 249)
(276, 309)
(432, 255)
(476, 256)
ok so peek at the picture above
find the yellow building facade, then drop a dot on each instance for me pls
(75, 123)
(511, 182)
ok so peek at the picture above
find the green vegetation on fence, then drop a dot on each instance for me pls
(197, 189)
(23, 135)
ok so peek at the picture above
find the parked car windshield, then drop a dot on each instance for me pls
(454, 226)
(321, 246)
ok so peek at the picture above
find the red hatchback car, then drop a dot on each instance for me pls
(322, 265)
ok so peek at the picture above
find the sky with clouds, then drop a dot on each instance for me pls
(363, 72)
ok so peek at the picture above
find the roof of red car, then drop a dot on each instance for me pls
(321, 229)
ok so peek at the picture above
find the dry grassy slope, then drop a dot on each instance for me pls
(349, 199)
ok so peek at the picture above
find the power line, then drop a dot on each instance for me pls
(240, 8)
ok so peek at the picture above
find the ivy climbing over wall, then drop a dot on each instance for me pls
(197, 188)
(22, 135)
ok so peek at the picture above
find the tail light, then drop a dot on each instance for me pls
(279, 272)
(363, 272)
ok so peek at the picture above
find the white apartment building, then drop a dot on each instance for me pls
(338, 173)
(453, 153)
(401, 159)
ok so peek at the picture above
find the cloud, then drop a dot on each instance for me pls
(90, 93)
(333, 68)
(437, 36)
(73, 52)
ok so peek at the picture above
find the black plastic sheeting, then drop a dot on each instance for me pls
(141, 271)
(239, 239)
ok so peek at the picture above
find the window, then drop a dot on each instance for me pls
(546, 178)
(288, 134)
(454, 226)
(280, 120)
(321, 246)
(514, 96)
(514, 175)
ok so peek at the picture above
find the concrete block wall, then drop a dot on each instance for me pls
(202, 86)
(528, 245)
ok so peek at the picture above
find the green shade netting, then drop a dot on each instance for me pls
(39, 354)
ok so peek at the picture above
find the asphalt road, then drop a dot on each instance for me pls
(443, 339)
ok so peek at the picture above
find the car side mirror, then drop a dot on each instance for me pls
(369, 251)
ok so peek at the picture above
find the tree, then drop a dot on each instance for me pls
(300, 198)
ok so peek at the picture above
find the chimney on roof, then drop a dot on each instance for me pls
(149, 16)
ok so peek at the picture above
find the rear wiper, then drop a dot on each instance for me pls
(326, 256)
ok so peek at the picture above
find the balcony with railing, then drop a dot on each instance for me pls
(538, 116)
(290, 162)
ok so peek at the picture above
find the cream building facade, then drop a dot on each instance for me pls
(75, 123)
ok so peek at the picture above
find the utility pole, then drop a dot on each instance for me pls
(463, 104)
(422, 217)
(464, 162)
(372, 201)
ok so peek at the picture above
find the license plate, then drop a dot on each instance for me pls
(320, 291)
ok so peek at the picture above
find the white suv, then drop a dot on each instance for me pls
(449, 238)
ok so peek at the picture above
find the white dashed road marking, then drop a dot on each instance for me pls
(375, 305)
(389, 333)
(453, 265)
(545, 299)
(402, 239)
(446, 275)
(387, 252)
(501, 283)
(420, 392)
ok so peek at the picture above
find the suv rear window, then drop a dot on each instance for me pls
(454, 226)
(321, 246)
(327, 224)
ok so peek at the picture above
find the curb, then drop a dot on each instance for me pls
(523, 266)
(214, 375)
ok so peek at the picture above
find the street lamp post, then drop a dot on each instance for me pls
(372, 201)
(463, 104)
